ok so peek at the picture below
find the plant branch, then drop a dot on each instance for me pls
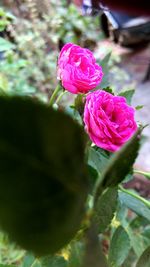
(146, 174)
(146, 202)
(60, 96)
(54, 95)
(94, 256)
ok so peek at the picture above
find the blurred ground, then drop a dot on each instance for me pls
(135, 64)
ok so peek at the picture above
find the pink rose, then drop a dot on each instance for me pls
(109, 120)
(77, 69)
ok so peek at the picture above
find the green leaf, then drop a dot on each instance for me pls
(109, 90)
(105, 82)
(97, 159)
(146, 232)
(144, 260)
(5, 45)
(43, 183)
(119, 247)
(121, 214)
(119, 165)
(130, 260)
(53, 261)
(128, 95)
(7, 265)
(92, 176)
(105, 208)
(139, 107)
(105, 67)
(138, 243)
(135, 205)
(138, 236)
(104, 62)
(140, 222)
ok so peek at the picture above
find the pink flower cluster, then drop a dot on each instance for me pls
(77, 69)
(109, 120)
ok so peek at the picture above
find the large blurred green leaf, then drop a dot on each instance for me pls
(43, 185)
(119, 247)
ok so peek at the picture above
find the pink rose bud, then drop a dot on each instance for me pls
(109, 120)
(77, 69)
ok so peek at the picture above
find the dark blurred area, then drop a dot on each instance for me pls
(131, 6)
(121, 27)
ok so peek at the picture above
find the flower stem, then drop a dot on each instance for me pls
(53, 97)
(146, 174)
(60, 96)
(146, 202)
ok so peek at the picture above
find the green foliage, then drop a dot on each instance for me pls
(128, 94)
(105, 208)
(31, 68)
(135, 226)
(138, 242)
(109, 90)
(10, 254)
(5, 45)
(97, 158)
(105, 67)
(145, 174)
(119, 165)
(135, 204)
(42, 198)
(139, 107)
(104, 62)
(79, 103)
(53, 261)
(5, 18)
(144, 260)
(130, 260)
(119, 247)
(70, 26)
